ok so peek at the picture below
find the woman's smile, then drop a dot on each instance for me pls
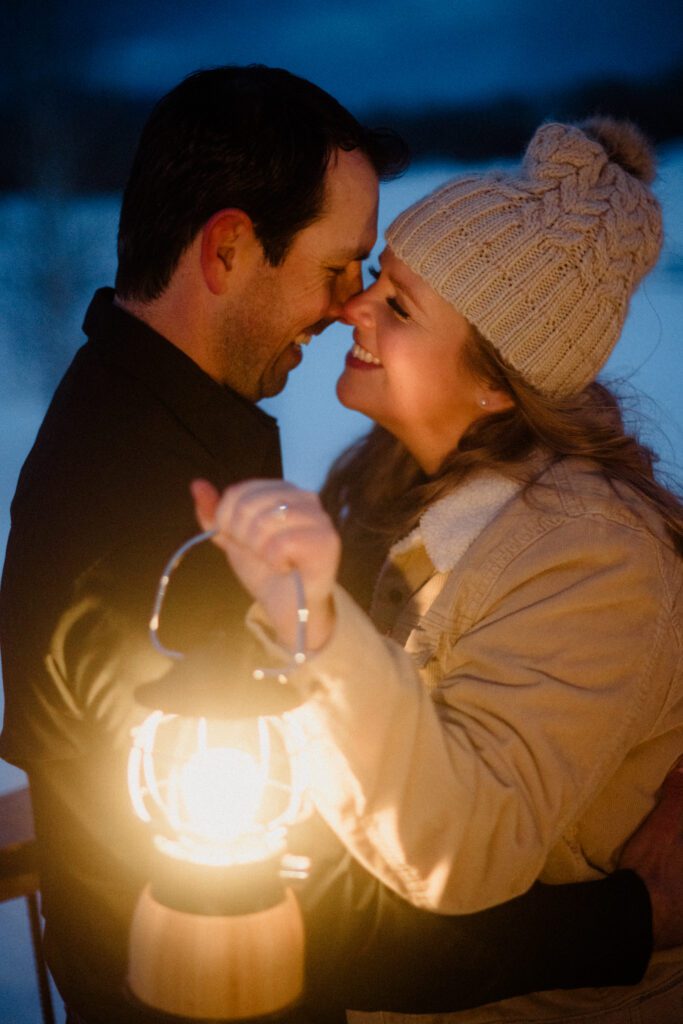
(359, 358)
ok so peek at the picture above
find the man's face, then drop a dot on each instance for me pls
(282, 307)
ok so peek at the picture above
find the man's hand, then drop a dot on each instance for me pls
(655, 852)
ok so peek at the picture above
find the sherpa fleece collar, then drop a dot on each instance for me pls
(450, 525)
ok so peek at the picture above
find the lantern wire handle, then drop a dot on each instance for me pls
(281, 674)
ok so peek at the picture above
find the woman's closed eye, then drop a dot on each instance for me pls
(391, 301)
(398, 309)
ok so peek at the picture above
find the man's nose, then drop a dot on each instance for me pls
(349, 284)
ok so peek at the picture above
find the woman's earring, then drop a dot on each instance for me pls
(483, 402)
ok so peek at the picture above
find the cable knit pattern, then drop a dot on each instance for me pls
(544, 261)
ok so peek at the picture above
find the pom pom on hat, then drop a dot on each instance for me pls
(544, 262)
(625, 145)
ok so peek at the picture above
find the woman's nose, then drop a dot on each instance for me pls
(356, 311)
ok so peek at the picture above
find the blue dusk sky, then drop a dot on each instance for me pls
(369, 55)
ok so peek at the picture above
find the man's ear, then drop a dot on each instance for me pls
(226, 238)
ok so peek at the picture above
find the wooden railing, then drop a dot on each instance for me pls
(19, 878)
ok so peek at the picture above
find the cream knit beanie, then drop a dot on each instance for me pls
(544, 261)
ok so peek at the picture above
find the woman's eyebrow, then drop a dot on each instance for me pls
(405, 290)
(399, 286)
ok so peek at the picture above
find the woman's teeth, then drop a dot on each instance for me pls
(358, 352)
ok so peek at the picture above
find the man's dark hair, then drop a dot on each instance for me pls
(253, 138)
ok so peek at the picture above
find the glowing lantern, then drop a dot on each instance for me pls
(216, 935)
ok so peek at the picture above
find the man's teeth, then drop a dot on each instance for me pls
(302, 339)
(358, 352)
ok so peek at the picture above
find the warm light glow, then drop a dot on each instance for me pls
(219, 792)
(207, 789)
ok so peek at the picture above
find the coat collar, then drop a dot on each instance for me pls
(239, 435)
(449, 526)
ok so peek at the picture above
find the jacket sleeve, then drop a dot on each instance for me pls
(454, 798)
(574, 936)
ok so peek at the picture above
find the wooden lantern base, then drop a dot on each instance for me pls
(236, 967)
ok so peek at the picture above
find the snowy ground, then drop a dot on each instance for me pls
(61, 252)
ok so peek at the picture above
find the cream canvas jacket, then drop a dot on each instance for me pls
(517, 720)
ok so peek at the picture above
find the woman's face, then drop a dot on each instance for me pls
(406, 369)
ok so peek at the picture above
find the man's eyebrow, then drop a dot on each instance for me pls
(352, 255)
